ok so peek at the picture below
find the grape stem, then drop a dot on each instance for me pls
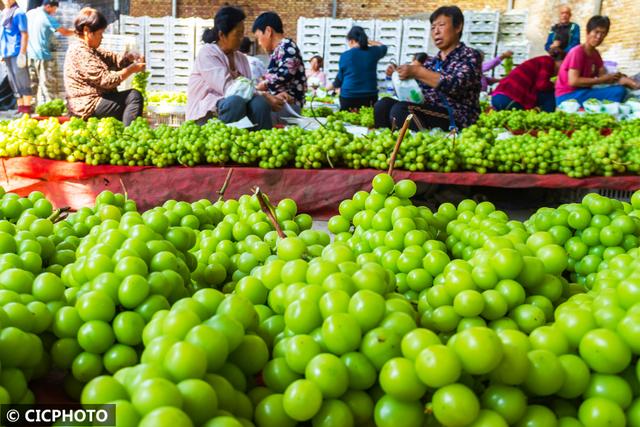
(401, 135)
(225, 184)
(268, 210)
(124, 189)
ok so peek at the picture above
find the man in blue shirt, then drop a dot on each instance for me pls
(565, 35)
(13, 49)
(42, 67)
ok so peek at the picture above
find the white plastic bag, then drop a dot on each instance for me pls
(569, 106)
(407, 90)
(242, 87)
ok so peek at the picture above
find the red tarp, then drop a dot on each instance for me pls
(317, 192)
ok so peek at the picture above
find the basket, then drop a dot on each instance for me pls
(170, 115)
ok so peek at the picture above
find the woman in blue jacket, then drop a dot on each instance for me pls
(357, 75)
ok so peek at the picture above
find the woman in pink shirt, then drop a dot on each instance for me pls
(315, 75)
(217, 65)
(583, 69)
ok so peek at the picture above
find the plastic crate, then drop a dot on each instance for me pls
(166, 115)
(368, 25)
(415, 38)
(514, 17)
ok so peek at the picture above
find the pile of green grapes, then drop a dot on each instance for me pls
(55, 108)
(561, 143)
(219, 314)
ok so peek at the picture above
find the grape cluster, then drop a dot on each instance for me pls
(55, 108)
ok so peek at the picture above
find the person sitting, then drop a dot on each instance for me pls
(92, 74)
(357, 72)
(565, 35)
(450, 81)
(490, 65)
(315, 74)
(257, 66)
(13, 43)
(218, 63)
(285, 77)
(583, 69)
(529, 84)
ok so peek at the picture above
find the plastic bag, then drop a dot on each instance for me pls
(242, 87)
(569, 106)
(407, 90)
(22, 60)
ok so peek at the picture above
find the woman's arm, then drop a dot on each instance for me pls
(576, 80)
(214, 72)
(114, 60)
(418, 72)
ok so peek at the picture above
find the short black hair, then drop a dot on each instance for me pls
(598, 21)
(245, 45)
(557, 54)
(453, 12)
(421, 57)
(89, 19)
(268, 19)
(53, 3)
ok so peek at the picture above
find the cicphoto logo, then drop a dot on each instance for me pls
(46, 415)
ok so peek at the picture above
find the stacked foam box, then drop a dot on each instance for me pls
(368, 25)
(388, 33)
(182, 42)
(481, 31)
(512, 36)
(415, 38)
(335, 44)
(157, 50)
(311, 37)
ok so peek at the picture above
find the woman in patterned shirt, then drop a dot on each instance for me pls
(285, 75)
(450, 81)
(92, 75)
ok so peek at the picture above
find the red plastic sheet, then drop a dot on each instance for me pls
(317, 192)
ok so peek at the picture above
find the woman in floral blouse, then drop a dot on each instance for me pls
(450, 81)
(92, 75)
(285, 76)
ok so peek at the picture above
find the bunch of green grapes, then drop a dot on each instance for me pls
(55, 108)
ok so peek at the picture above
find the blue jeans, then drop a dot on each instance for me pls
(234, 108)
(546, 101)
(610, 93)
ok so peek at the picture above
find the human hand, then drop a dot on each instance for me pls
(133, 57)
(285, 97)
(556, 43)
(276, 103)
(390, 69)
(138, 67)
(406, 72)
(630, 83)
(262, 85)
(507, 54)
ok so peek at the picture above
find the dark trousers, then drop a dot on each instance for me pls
(546, 101)
(347, 104)
(234, 108)
(389, 112)
(124, 106)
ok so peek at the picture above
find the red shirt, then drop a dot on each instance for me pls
(577, 59)
(528, 79)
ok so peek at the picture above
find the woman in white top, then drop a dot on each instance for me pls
(315, 75)
(258, 69)
(217, 65)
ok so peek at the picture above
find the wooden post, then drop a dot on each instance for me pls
(403, 132)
